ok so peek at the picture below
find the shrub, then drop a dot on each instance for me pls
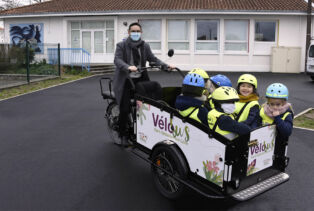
(18, 54)
(75, 70)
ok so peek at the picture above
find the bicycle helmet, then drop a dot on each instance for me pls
(248, 78)
(193, 85)
(225, 94)
(221, 80)
(277, 90)
(200, 72)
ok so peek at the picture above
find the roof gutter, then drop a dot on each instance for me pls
(156, 12)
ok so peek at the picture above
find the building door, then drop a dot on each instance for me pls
(96, 37)
(87, 41)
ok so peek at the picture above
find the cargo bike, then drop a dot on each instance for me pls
(186, 154)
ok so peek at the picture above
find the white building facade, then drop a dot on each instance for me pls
(212, 41)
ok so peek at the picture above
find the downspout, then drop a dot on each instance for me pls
(308, 30)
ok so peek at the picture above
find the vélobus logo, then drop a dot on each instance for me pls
(263, 147)
(163, 125)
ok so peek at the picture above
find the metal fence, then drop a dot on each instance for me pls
(70, 56)
(20, 64)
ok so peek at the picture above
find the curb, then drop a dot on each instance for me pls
(303, 112)
(303, 128)
(49, 87)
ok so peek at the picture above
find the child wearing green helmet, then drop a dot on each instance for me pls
(220, 118)
(247, 108)
(277, 110)
(190, 103)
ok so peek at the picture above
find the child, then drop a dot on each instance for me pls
(277, 110)
(190, 103)
(204, 75)
(247, 109)
(215, 82)
(220, 118)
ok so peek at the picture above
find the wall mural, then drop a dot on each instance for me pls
(32, 33)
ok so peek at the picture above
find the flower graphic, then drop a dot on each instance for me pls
(251, 168)
(212, 172)
(209, 166)
(140, 106)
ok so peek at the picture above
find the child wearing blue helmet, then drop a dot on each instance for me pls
(277, 110)
(215, 82)
(191, 103)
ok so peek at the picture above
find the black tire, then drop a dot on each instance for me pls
(164, 157)
(112, 116)
(312, 77)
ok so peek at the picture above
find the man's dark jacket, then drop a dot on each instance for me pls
(122, 61)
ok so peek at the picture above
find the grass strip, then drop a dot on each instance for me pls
(23, 89)
(306, 120)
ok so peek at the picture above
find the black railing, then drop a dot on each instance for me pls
(25, 63)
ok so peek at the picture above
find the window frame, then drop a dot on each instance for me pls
(188, 21)
(105, 29)
(154, 41)
(207, 41)
(276, 31)
(245, 52)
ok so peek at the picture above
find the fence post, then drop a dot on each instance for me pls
(59, 60)
(27, 62)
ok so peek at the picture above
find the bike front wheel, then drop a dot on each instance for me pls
(112, 116)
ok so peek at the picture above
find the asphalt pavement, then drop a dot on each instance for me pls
(55, 154)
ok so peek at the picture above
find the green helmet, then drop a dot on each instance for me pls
(200, 72)
(225, 94)
(248, 78)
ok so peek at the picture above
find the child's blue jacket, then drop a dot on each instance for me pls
(185, 102)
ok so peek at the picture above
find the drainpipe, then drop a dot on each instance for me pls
(308, 30)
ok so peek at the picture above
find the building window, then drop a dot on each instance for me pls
(236, 35)
(152, 33)
(178, 34)
(96, 36)
(207, 35)
(75, 35)
(109, 36)
(265, 31)
(93, 25)
(75, 39)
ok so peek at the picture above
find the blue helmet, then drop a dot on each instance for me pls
(193, 79)
(221, 80)
(277, 90)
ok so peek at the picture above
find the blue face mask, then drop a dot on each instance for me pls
(135, 36)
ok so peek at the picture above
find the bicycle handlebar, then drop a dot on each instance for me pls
(138, 73)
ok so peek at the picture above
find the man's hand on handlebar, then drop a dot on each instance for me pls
(171, 67)
(132, 68)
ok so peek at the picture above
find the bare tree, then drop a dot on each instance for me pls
(39, 1)
(9, 4)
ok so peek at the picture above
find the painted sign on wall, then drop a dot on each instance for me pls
(32, 33)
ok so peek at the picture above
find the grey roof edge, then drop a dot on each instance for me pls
(157, 12)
